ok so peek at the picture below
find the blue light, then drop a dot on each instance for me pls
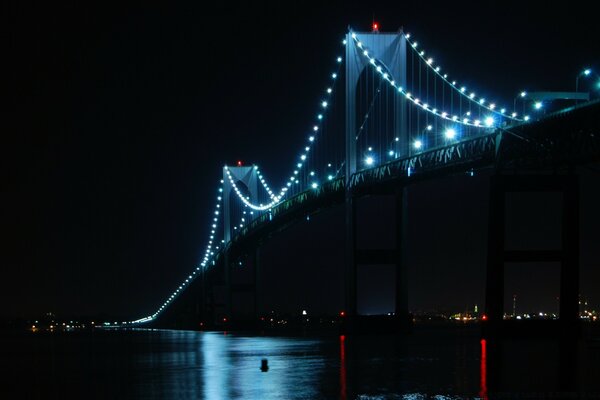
(314, 185)
(450, 133)
(369, 160)
(311, 139)
(339, 59)
(417, 144)
(489, 121)
(324, 104)
(523, 93)
(587, 71)
(538, 105)
(391, 153)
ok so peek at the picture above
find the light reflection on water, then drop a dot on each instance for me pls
(231, 367)
(226, 366)
(154, 364)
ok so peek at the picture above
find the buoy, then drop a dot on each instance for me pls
(264, 365)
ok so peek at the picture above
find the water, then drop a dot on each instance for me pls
(439, 363)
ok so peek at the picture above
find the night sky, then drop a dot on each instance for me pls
(119, 121)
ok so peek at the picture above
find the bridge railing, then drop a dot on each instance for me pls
(472, 152)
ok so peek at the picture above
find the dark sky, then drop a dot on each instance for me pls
(120, 120)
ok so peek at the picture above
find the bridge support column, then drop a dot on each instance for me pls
(351, 266)
(567, 256)
(401, 309)
(227, 281)
(256, 266)
(394, 256)
(243, 313)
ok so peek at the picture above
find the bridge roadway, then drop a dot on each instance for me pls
(557, 142)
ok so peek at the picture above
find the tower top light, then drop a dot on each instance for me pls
(375, 27)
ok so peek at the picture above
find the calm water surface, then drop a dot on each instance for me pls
(440, 363)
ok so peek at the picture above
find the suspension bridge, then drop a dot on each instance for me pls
(391, 117)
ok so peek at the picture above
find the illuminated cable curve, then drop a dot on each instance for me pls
(489, 122)
(462, 91)
(303, 157)
(209, 253)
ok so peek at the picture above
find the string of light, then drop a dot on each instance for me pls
(246, 201)
(304, 156)
(209, 253)
(488, 122)
(462, 91)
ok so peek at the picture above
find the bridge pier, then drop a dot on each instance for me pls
(233, 287)
(394, 256)
(567, 256)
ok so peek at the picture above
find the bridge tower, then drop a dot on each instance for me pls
(246, 179)
(390, 50)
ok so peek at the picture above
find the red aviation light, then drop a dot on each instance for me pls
(375, 27)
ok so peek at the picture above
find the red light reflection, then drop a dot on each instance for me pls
(483, 371)
(342, 367)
